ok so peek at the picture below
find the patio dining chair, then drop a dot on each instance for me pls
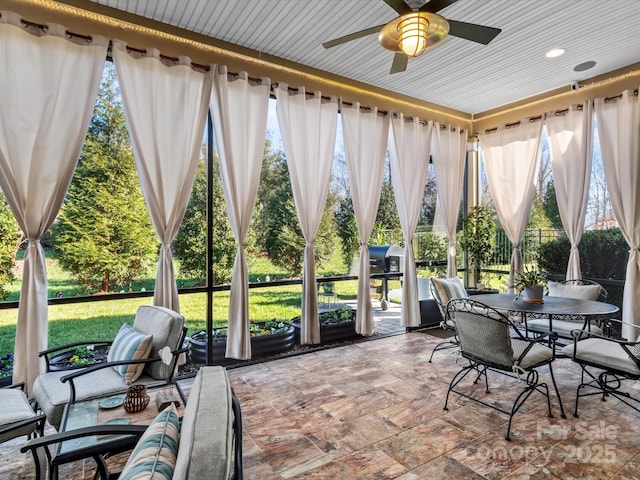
(442, 291)
(577, 288)
(491, 343)
(328, 293)
(17, 415)
(146, 353)
(608, 364)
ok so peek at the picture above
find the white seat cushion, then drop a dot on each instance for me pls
(15, 407)
(536, 355)
(52, 395)
(562, 327)
(584, 292)
(603, 352)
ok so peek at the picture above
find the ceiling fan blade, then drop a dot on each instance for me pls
(472, 31)
(352, 36)
(399, 64)
(399, 6)
(434, 6)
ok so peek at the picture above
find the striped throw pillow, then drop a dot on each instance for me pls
(130, 344)
(154, 456)
(445, 289)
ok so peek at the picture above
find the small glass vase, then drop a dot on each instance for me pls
(136, 399)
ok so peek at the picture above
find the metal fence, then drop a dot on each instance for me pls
(533, 238)
(432, 247)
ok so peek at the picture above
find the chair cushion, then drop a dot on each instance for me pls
(206, 439)
(154, 456)
(537, 355)
(52, 395)
(583, 292)
(166, 327)
(15, 407)
(603, 352)
(562, 327)
(130, 344)
(445, 289)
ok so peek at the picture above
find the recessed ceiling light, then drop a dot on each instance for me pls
(584, 66)
(554, 52)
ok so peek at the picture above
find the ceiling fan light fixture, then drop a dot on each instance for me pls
(412, 31)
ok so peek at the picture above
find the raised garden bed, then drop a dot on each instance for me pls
(79, 357)
(335, 326)
(6, 370)
(267, 339)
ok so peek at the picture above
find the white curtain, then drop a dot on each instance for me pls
(510, 158)
(239, 108)
(570, 143)
(166, 105)
(308, 129)
(47, 92)
(365, 143)
(409, 148)
(449, 153)
(619, 132)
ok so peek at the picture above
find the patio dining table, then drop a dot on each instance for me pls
(551, 307)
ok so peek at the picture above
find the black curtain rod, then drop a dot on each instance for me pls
(175, 60)
(45, 28)
(619, 96)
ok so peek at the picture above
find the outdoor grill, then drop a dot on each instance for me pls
(385, 259)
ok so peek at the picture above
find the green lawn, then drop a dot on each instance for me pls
(100, 320)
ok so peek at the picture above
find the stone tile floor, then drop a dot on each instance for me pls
(373, 410)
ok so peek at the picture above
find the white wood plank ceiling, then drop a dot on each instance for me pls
(457, 73)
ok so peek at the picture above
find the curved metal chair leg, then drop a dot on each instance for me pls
(441, 346)
(457, 378)
(555, 387)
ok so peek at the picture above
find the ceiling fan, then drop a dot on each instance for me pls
(410, 34)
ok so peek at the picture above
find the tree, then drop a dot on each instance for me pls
(347, 228)
(190, 245)
(538, 217)
(550, 205)
(103, 235)
(10, 236)
(429, 200)
(479, 237)
(276, 224)
(387, 216)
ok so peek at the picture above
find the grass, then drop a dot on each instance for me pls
(100, 320)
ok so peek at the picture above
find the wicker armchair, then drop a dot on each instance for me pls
(491, 343)
(609, 364)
